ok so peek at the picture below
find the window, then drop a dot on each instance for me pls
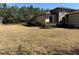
(50, 18)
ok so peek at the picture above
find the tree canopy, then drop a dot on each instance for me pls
(15, 14)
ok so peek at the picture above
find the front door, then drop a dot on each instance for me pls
(52, 19)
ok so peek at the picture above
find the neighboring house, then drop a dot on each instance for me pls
(54, 17)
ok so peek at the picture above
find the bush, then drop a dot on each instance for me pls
(33, 23)
(9, 20)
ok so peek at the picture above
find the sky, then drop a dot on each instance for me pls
(47, 5)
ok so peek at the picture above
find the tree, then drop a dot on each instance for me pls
(3, 5)
(15, 14)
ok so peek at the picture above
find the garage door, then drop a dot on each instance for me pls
(73, 19)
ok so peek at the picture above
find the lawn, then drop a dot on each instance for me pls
(18, 39)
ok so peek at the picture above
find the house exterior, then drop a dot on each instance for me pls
(73, 18)
(55, 16)
(47, 17)
(61, 13)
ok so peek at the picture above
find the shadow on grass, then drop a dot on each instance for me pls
(74, 51)
(55, 52)
(69, 27)
(29, 25)
(51, 27)
(22, 52)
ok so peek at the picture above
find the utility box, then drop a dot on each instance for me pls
(1, 19)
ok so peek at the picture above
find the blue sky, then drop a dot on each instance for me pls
(47, 5)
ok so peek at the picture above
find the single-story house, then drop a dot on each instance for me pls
(55, 16)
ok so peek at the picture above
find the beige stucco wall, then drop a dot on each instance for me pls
(41, 19)
(44, 18)
(61, 15)
(73, 19)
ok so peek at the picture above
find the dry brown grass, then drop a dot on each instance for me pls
(18, 39)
